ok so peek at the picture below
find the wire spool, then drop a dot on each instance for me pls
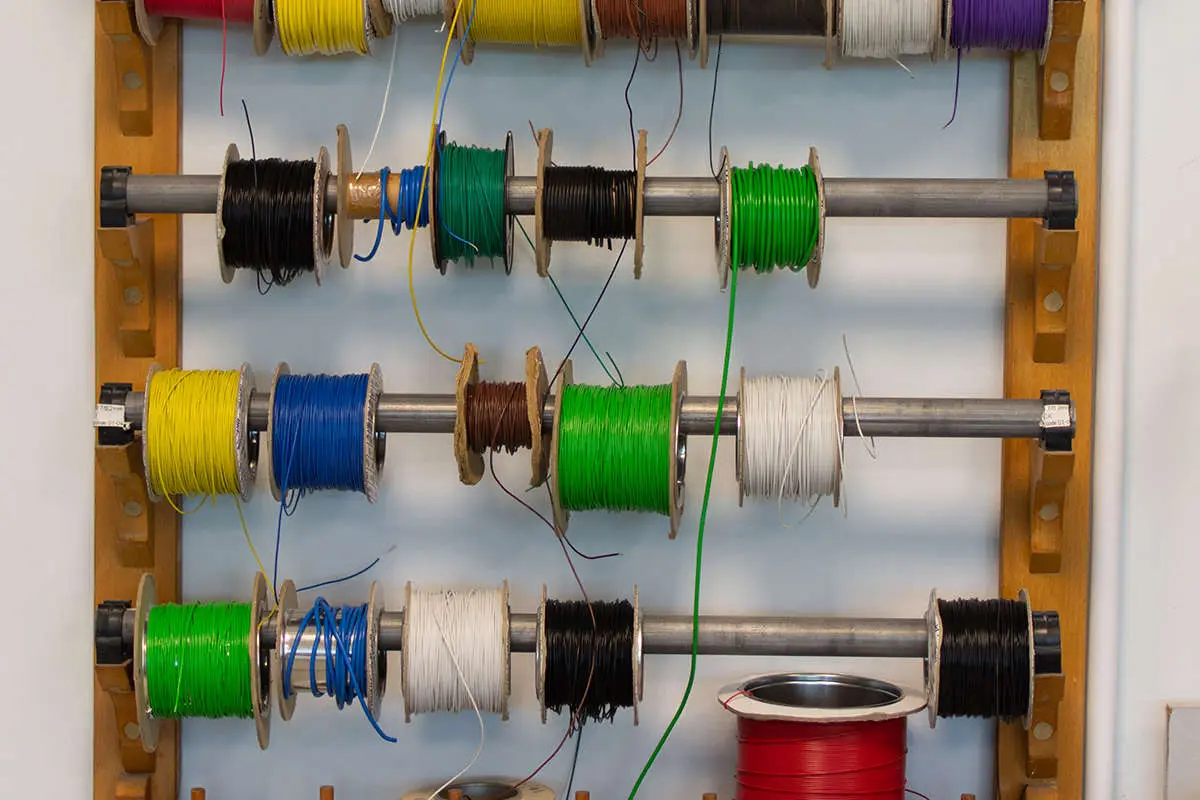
(484, 788)
(810, 736)
(646, 21)
(618, 449)
(196, 437)
(327, 27)
(402, 11)
(567, 642)
(790, 438)
(448, 632)
(272, 218)
(1009, 26)
(468, 206)
(329, 652)
(588, 204)
(982, 659)
(540, 23)
(229, 675)
(766, 17)
(771, 218)
(321, 433)
(149, 15)
(890, 28)
(491, 417)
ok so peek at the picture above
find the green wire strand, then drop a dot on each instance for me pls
(712, 462)
(614, 448)
(775, 217)
(471, 203)
(198, 661)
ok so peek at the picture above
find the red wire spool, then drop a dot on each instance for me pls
(235, 11)
(821, 737)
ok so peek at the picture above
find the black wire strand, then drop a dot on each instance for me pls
(590, 204)
(571, 645)
(267, 212)
(984, 659)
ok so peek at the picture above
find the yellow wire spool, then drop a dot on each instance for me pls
(328, 27)
(536, 22)
(195, 433)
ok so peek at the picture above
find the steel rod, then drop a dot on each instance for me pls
(694, 197)
(865, 416)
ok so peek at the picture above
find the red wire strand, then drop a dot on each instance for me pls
(236, 11)
(780, 760)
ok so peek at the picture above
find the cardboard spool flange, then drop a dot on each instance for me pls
(639, 245)
(281, 369)
(260, 682)
(381, 20)
(470, 463)
(227, 272)
(562, 517)
(542, 245)
(344, 225)
(450, 13)
(813, 267)
(703, 34)
(149, 25)
(678, 446)
(264, 26)
(376, 658)
(323, 218)
(537, 387)
(723, 230)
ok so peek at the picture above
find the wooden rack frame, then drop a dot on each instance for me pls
(1049, 341)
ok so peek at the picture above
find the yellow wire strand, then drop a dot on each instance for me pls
(412, 240)
(536, 22)
(328, 27)
(191, 419)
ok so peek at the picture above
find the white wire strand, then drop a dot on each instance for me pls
(890, 28)
(457, 652)
(792, 439)
(474, 704)
(404, 10)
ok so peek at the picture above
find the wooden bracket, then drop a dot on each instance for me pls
(1041, 759)
(1051, 472)
(130, 253)
(1056, 104)
(1053, 257)
(133, 90)
(122, 465)
(115, 680)
(134, 787)
(1041, 792)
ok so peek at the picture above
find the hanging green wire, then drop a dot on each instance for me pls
(470, 204)
(614, 448)
(775, 217)
(198, 661)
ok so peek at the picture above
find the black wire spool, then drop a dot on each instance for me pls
(272, 218)
(766, 17)
(590, 204)
(567, 643)
(985, 661)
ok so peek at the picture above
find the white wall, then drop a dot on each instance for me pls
(921, 303)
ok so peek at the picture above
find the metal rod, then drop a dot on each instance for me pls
(865, 416)
(689, 197)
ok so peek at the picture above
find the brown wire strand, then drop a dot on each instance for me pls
(644, 20)
(496, 418)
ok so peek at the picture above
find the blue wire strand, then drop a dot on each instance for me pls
(345, 666)
(405, 216)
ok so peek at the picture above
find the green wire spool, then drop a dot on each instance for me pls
(618, 448)
(199, 660)
(468, 208)
(771, 218)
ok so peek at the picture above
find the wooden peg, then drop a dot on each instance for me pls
(197, 794)
(122, 464)
(1041, 792)
(1041, 761)
(131, 94)
(326, 793)
(582, 795)
(1054, 256)
(1051, 473)
(1056, 76)
(115, 680)
(134, 787)
(129, 251)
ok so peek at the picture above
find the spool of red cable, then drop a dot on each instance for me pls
(820, 737)
(150, 14)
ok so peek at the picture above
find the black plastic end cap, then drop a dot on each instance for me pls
(114, 394)
(114, 200)
(1047, 643)
(1062, 200)
(111, 647)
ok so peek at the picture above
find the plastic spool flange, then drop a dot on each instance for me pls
(227, 272)
(678, 469)
(148, 725)
(285, 697)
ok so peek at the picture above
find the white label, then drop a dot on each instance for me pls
(1056, 416)
(110, 416)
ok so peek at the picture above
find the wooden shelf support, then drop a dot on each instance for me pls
(1054, 256)
(122, 465)
(1041, 760)
(133, 70)
(130, 252)
(1051, 473)
(1056, 77)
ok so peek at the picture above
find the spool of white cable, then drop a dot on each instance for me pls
(890, 28)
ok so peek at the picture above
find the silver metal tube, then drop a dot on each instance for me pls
(866, 416)
(719, 636)
(691, 197)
